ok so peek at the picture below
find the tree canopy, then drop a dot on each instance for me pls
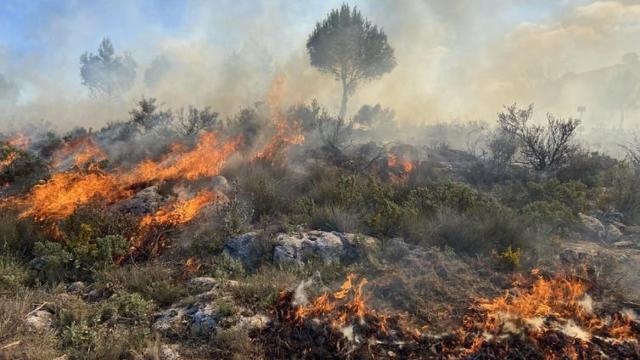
(105, 72)
(347, 46)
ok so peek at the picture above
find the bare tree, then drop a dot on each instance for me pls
(194, 120)
(542, 147)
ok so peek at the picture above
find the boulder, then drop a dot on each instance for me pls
(77, 287)
(39, 320)
(328, 247)
(592, 226)
(203, 319)
(613, 233)
(146, 201)
(245, 248)
(300, 247)
(168, 352)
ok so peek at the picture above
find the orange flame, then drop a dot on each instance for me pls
(179, 212)
(78, 152)
(400, 168)
(8, 160)
(286, 134)
(64, 192)
(20, 141)
(206, 159)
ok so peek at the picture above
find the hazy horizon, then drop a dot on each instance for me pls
(457, 60)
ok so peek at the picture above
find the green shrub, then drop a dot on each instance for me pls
(13, 274)
(53, 262)
(550, 216)
(126, 306)
(333, 218)
(509, 259)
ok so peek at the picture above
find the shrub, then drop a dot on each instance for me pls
(13, 274)
(128, 307)
(509, 259)
(334, 218)
(53, 262)
(550, 216)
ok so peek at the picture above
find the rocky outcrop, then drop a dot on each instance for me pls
(146, 201)
(592, 227)
(300, 248)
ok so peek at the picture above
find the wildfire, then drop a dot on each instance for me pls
(179, 212)
(78, 153)
(152, 227)
(286, 134)
(206, 159)
(399, 167)
(8, 160)
(19, 141)
(64, 192)
(547, 306)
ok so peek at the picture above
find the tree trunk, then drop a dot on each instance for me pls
(345, 95)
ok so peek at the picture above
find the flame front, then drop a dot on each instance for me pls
(78, 153)
(206, 159)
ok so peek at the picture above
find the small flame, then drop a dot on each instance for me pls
(399, 167)
(19, 141)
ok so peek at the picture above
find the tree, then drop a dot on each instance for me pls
(543, 148)
(349, 47)
(146, 116)
(105, 73)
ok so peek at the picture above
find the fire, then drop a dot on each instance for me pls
(286, 134)
(152, 227)
(8, 160)
(64, 192)
(19, 141)
(546, 306)
(206, 159)
(78, 153)
(399, 167)
(342, 308)
(179, 212)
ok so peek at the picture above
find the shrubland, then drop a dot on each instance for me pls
(496, 196)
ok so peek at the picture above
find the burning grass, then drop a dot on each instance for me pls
(538, 318)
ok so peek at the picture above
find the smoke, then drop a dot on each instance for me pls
(457, 60)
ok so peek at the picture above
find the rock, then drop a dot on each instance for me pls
(39, 320)
(592, 226)
(623, 244)
(168, 352)
(245, 248)
(329, 247)
(203, 282)
(613, 233)
(77, 287)
(301, 247)
(199, 319)
(203, 319)
(255, 322)
(144, 202)
(170, 321)
(220, 184)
